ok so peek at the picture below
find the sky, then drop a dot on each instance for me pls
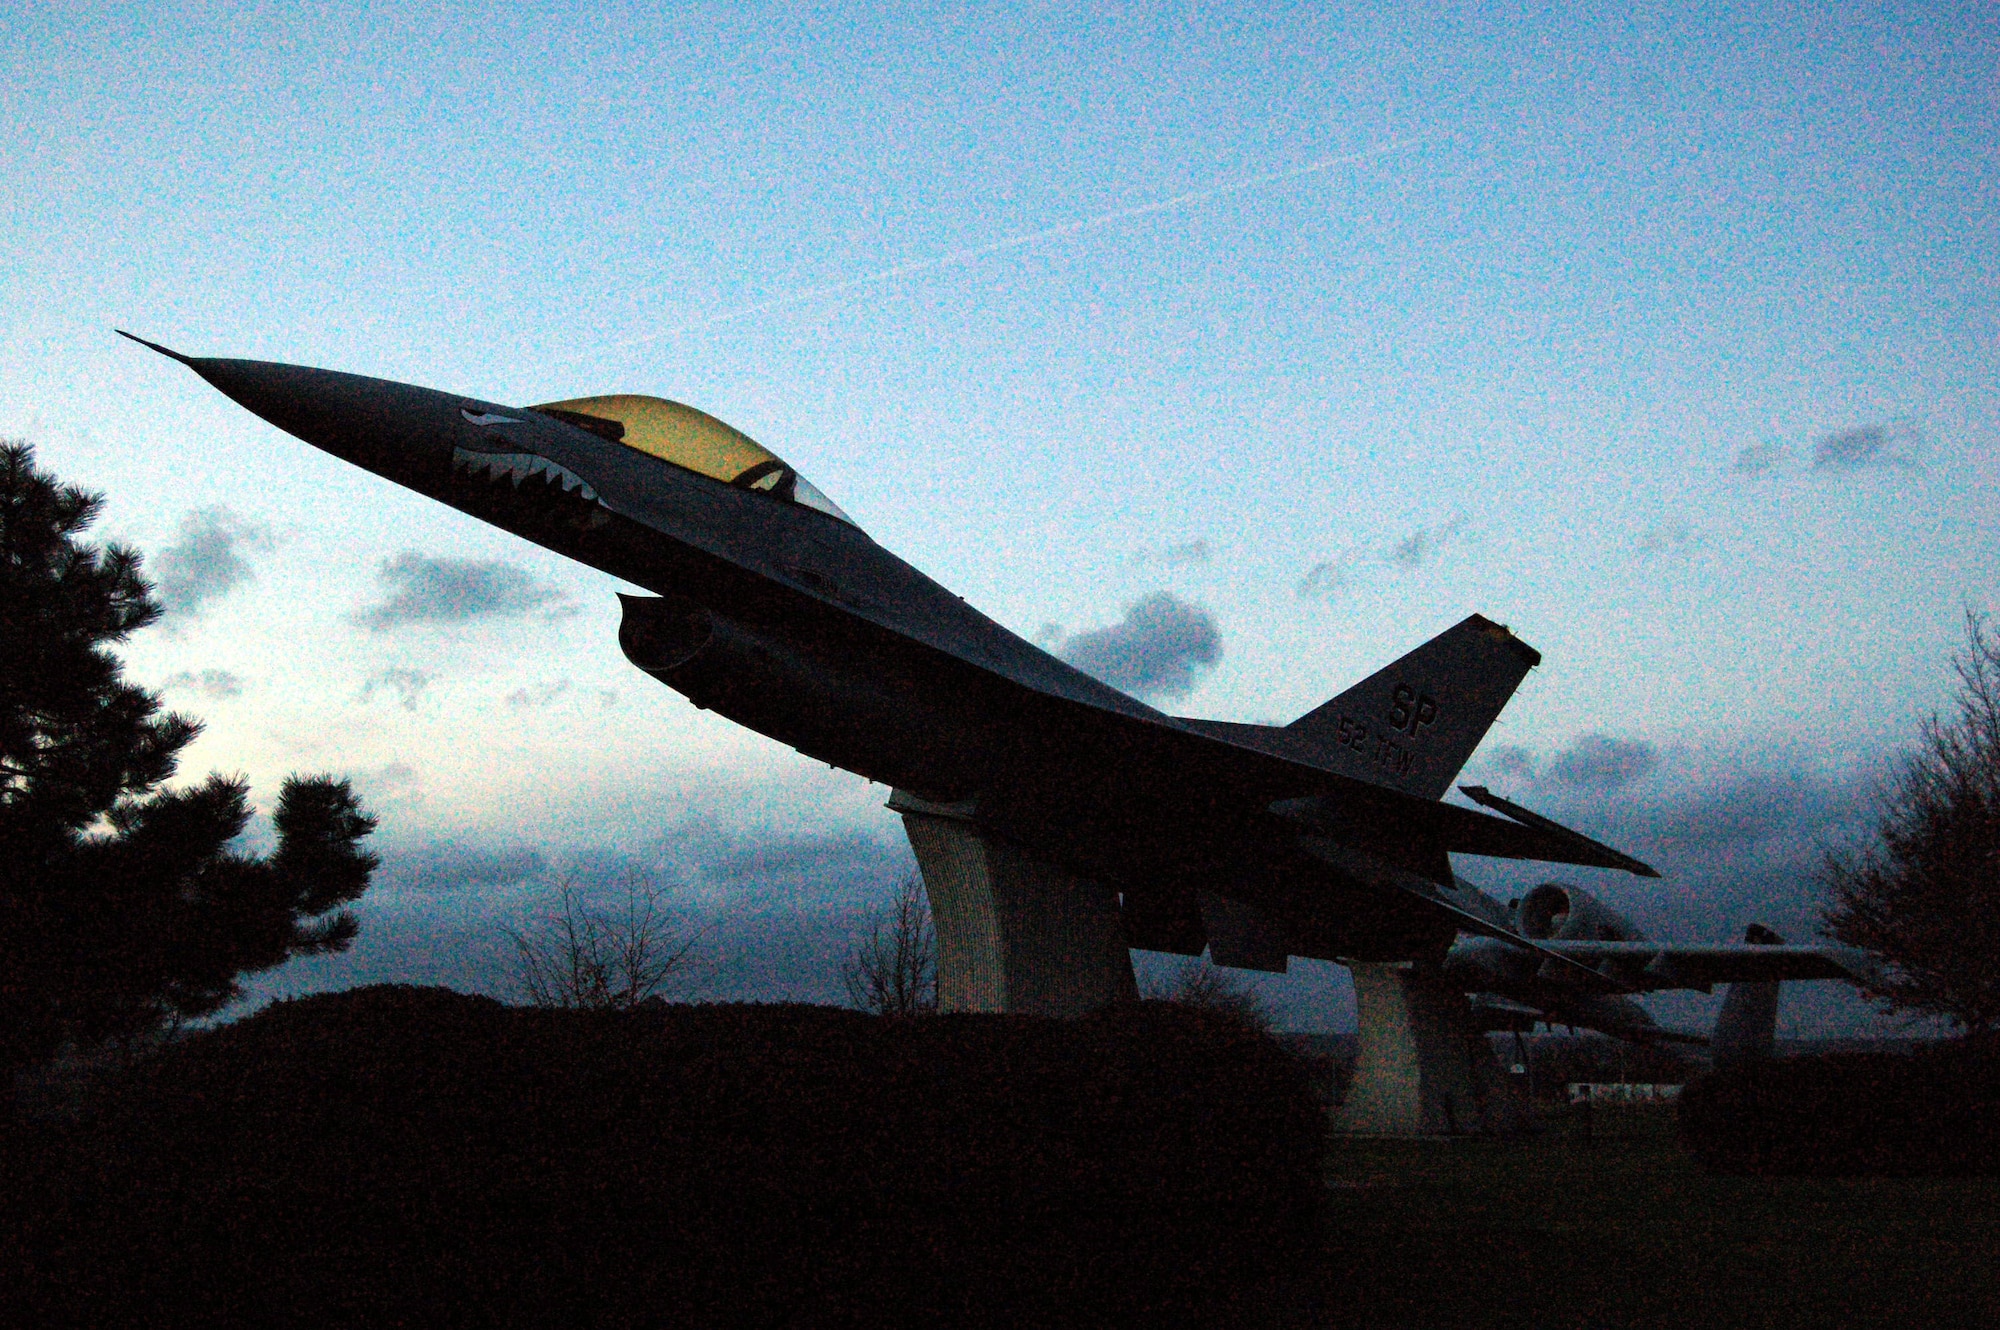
(1229, 352)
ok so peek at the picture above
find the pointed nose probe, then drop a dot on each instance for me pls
(396, 430)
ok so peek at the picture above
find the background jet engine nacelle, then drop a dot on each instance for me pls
(1571, 914)
(879, 727)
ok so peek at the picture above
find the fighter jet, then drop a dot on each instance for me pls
(1511, 989)
(1324, 838)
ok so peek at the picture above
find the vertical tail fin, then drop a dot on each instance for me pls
(1746, 1028)
(1413, 724)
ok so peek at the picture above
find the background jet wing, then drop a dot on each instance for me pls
(1658, 965)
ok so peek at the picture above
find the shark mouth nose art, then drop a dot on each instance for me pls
(519, 468)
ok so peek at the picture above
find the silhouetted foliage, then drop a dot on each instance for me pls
(415, 1156)
(1934, 1113)
(122, 907)
(1925, 897)
(577, 955)
(1194, 982)
(893, 971)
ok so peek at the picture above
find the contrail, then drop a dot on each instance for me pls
(974, 252)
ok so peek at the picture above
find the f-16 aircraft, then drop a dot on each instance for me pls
(1324, 838)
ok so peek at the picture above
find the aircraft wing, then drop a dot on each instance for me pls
(1495, 1011)
(1300, 791)
(1654, 965)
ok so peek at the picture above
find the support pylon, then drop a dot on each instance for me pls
(1424, 1067)
(1014, 934)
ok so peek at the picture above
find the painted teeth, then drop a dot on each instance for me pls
(519, 467)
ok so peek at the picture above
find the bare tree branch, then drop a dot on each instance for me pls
(893, 972)
(1197, 983)
(575, 956)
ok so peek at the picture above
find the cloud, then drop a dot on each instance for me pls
(804, 859)
(1842, 452)
(1327, 578)
(207, 560)
(407, 685)
(1424, 542)
(1511, 760)
(1758, 459)
(1157, 649)
(1864, 447)
(449, 866)
(1322, 581)
(424, 590)
(1663, 536)
(1599, 762)
(1180, 555)
(392, 776)
(212, 684)
(1745, 809)
(773, 915)
(1738, 839)
(1592, 762)
(1724, 832)
(541, 694)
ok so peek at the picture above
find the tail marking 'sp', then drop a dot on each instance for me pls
(1413, 724)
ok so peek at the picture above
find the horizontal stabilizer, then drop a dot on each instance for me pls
(1611, 858)
(1370, 817)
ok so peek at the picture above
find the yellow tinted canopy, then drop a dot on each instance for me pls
(692, 439)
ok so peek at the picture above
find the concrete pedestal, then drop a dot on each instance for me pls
(1014, 934)
(1425, 1068)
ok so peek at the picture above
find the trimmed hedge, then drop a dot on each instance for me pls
(1929, 1114)
(400, 1153)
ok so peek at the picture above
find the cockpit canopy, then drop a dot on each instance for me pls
(695, 440)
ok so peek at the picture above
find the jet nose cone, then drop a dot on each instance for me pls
(168, 352)
(393, 429)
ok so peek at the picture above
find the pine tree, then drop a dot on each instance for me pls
(123, 906)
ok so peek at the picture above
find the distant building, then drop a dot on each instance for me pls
(1620, 1092)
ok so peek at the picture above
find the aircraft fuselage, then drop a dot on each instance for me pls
(774, 610)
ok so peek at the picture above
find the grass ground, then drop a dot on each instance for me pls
(1623, 1229)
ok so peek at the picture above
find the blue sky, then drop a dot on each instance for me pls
(1667, 337)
